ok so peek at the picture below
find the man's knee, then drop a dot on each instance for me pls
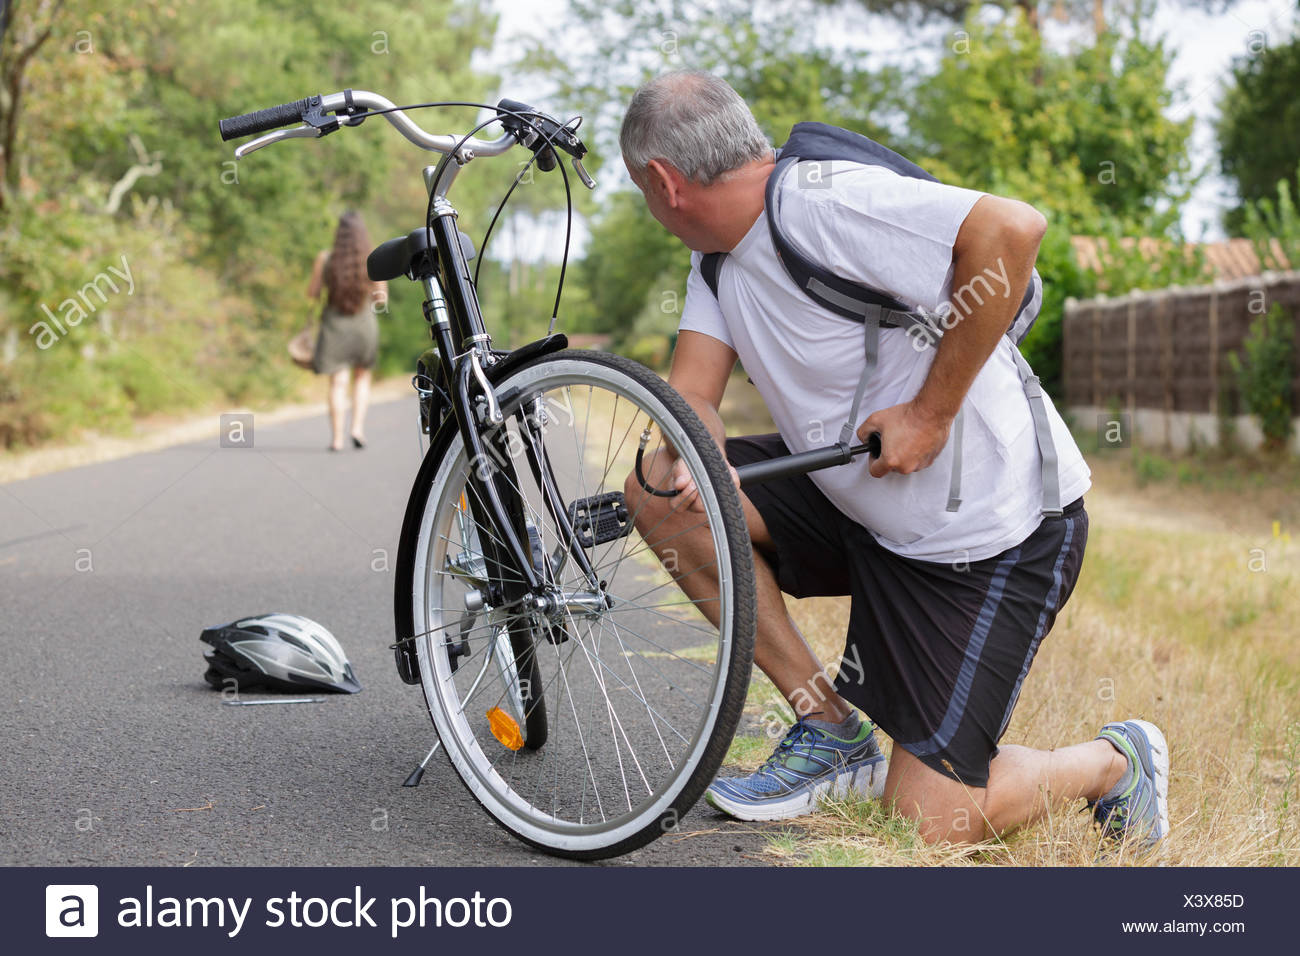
(945, 810)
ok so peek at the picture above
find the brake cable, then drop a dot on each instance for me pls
(548, 141)
(356, 117)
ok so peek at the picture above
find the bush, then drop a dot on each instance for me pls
(1151, 468)
(1264, 367)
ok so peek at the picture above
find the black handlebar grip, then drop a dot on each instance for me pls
(262, 121)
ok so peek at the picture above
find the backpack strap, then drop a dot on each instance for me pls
(710, 266)
(1043, 433)
(954, 483)
(872, 318)
(824, 287)
(871, 357)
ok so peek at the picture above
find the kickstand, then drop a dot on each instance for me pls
(414, 779)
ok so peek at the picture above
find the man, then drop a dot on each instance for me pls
(948, 607)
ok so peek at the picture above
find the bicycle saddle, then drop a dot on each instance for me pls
(397, 256)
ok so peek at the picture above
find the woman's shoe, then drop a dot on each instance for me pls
(357, 442)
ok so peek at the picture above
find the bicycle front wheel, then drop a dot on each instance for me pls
(637, 651)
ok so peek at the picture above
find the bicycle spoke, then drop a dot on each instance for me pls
(613, 721)
(641, 694)
(646, 546)
(568, 693)
(626, 607)
(676, 580)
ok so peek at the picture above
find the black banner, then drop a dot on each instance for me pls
(591, 909)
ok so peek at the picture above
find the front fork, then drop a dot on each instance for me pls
(496, 499)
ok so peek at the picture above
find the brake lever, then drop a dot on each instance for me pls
(298, 132)
(582, 174)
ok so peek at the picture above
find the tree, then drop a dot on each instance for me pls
(1273, 226)
(921, 11)
(762, 49)
(627, 258)
(1259, 128)
(1082, 135)
(1090, 141)
(22, 34)
(117, 160)
(633, 267)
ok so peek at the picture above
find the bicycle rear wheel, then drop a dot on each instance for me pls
(641, 685)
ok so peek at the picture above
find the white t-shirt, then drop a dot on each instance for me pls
(893, 233)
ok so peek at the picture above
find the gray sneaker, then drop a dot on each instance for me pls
(1141, 812)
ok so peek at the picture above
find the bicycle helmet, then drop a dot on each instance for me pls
(277, 652)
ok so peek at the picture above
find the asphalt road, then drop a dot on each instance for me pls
(116, 752)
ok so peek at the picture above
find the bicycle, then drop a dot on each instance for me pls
(583, 704)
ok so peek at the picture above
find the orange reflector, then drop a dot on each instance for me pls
(505, 729)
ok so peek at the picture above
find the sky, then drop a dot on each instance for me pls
(1205, 45)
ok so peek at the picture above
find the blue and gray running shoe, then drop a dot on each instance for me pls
(1141, 811)
(806, 765)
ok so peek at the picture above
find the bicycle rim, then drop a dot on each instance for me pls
(640, 689)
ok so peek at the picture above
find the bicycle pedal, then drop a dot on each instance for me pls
(599, 519)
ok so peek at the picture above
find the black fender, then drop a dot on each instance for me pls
(509, 361)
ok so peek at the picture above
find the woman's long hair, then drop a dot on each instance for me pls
(346, 280)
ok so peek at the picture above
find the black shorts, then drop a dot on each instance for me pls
(935, 653)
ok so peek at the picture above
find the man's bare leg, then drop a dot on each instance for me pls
(780, 650)
(1024, 784)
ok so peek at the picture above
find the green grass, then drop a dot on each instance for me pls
(747, 752)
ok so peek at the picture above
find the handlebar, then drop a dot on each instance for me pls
(322, 115)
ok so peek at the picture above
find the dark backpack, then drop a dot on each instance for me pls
(879, 308)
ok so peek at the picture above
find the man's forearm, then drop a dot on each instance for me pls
(709, 415)
(989, 279)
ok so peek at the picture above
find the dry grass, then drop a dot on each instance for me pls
(1187, 613)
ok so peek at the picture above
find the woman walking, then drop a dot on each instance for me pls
(349, 332)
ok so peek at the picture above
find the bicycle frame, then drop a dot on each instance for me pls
(451, 308)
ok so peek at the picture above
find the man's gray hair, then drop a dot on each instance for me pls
(693, 121)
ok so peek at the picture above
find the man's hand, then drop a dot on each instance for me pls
(689, 499)
(910, 438)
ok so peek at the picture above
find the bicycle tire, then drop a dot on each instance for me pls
(424, 546)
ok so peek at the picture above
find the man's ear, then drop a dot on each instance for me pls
(665, 181)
